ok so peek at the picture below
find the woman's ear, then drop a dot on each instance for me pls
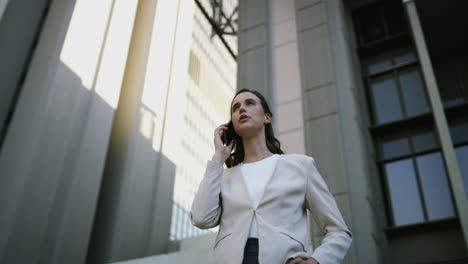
(267, 119)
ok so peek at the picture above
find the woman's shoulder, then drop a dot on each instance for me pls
(296, 157)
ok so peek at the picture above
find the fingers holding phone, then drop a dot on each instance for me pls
(220, 140)
(229, 133)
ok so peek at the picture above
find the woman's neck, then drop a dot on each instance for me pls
(255, 148)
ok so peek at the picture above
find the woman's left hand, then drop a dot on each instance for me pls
(299, 260)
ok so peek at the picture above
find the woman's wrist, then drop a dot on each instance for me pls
(217, 158)
(299, 260)
(312, 261)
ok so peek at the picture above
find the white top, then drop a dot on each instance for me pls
(256, 176)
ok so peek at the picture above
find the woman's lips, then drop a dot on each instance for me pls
(243, 119)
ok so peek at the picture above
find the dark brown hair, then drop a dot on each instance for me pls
(273, 144)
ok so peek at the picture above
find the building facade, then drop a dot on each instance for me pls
(107, 115)
(108, 109)
(378, 92)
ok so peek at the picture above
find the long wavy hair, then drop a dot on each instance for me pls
(273, 144)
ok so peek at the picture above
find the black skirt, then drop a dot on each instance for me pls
(251, 251)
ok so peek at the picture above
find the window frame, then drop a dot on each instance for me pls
(386, 46)
(393, 71)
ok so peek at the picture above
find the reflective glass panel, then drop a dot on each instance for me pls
(459, 131)
(386, 102)
(463, 73)
(462, 156)
(435, 186)
(394, 146)
(413, 92)
(378, 64)
(424, 140)
(394, 15)
(447, 82)
(405, 57)
(371, 24)
(404, 194)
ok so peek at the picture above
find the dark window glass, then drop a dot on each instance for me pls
(396, 21)
(447, 82)
(404, 57)
(462, 157)
(378, 64)
(424, 139)
(463, 73)
(404, 194)
(435, 186)
(459, 131)
(386, 101)
(381, 21)
(387, 61)
(394, 146)
(413, 92)
(371, 24)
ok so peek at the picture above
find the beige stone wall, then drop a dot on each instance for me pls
(286, 77)
(299, 53)
(337, 123)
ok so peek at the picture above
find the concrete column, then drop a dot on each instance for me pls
(365, 197)
(286, 77)
(336, 124)
(254, 51)
(268, 62)
(453, 171)
(53, 155)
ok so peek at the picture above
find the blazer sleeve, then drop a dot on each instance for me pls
(326, 214)
(206, 209)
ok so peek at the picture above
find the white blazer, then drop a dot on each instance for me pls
(296, 185)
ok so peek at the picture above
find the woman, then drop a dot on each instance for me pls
(260, 200)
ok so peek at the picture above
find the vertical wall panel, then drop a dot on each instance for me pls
(53, 155)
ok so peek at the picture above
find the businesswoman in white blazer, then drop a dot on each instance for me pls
(260, 200)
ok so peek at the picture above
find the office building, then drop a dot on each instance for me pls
(108, 110)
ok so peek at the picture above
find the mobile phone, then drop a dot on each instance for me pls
(229, 134)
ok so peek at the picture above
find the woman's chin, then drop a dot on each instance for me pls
(247, 133)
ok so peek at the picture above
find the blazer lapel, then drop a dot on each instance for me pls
(243, 184)
(272, 178)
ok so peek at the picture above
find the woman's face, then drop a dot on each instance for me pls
(248, 104)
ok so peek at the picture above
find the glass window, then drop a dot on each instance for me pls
(396, 21)
(387, 61)
(371, 24)
(462, 157)
(394, 146)
(386, 101)
(435, 186)
(424, 139)
(378, 64)
(463, 72)
(405, 57)
(413, 92)
(447, 82)
(404, 194)
(380, 21)
(458, 131)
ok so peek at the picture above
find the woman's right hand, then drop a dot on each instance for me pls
(222, 152)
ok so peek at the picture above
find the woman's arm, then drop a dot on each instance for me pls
(326, 214)
(206, 209)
